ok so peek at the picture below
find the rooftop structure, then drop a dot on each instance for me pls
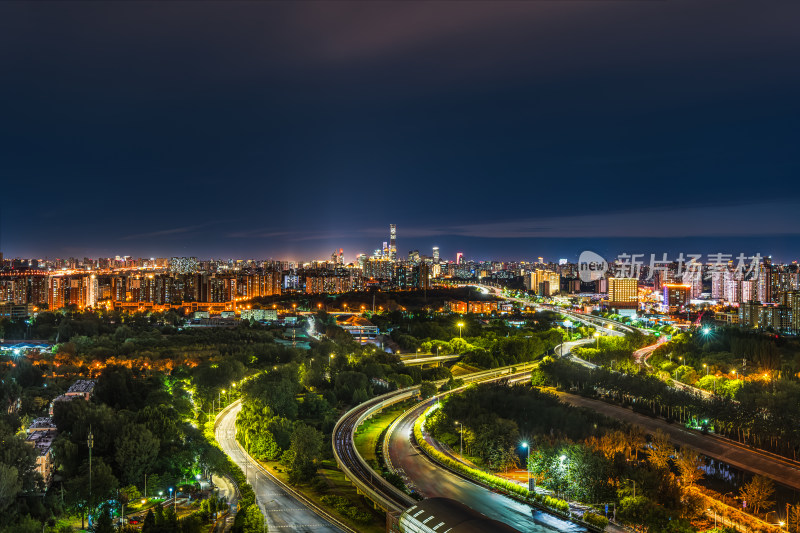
(360, 328)
(44, 423)
(41, 434)
(82, 387)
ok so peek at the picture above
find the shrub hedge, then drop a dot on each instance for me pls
(491, 480)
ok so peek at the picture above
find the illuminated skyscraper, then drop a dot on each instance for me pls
(392, 242)
(91, 291)
(435, 254)
(459, 257)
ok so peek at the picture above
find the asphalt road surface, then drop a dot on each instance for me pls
(432, 480)
(284, 512)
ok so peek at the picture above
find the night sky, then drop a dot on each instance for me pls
(505, 130)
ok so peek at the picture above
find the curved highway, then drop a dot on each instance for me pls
(283, 510)
(395, 500)
(432, 480)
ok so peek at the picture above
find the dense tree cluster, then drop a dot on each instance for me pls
(145, 431)
(19, 482)
(618, 350)
(761, 414)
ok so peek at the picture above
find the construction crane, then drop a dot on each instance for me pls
(699, 318)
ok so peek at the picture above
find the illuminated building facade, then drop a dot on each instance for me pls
(623, 291)
(542, 282)
(676, 297)
(392, 242)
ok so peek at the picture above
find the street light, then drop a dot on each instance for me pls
(597, 336)
(90, 444)
(460, 325)
(461, 439)
(706, 367)
(715, 517)
(634, 487)
(527, 468)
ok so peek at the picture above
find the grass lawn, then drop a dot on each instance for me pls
(334, 482)
(367, 434)
(460, 369)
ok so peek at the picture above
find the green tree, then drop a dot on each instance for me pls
(10, 485)
(149, 524)
(427, 389)
(130, 493)
(103, 523)
(170, 519)
(249, 520)
(690, 466)
(660, 450)
(306, 446)
(137, 449)
(757, 493)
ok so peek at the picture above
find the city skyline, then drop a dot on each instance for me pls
(569, 248)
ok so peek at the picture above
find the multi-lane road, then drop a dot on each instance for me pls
(432, 480)
(283, 510)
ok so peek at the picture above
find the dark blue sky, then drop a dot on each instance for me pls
(500, 129)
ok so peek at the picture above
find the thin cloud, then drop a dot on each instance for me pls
(773, 218)
(265, 234)
(165, 232)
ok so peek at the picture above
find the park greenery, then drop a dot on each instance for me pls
(160, 385)
(613, 351)
(750, 383)
(156, 385)
(572, 453)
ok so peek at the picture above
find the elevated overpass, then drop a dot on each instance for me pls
(432, 360)
(369, 483)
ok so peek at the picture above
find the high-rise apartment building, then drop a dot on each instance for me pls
(542, 282)
(749, 314)
(183, 265)
(676, 297)
(379, 269)
(623, 291)
(58, 295)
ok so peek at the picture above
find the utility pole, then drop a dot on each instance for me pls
(90, 444)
